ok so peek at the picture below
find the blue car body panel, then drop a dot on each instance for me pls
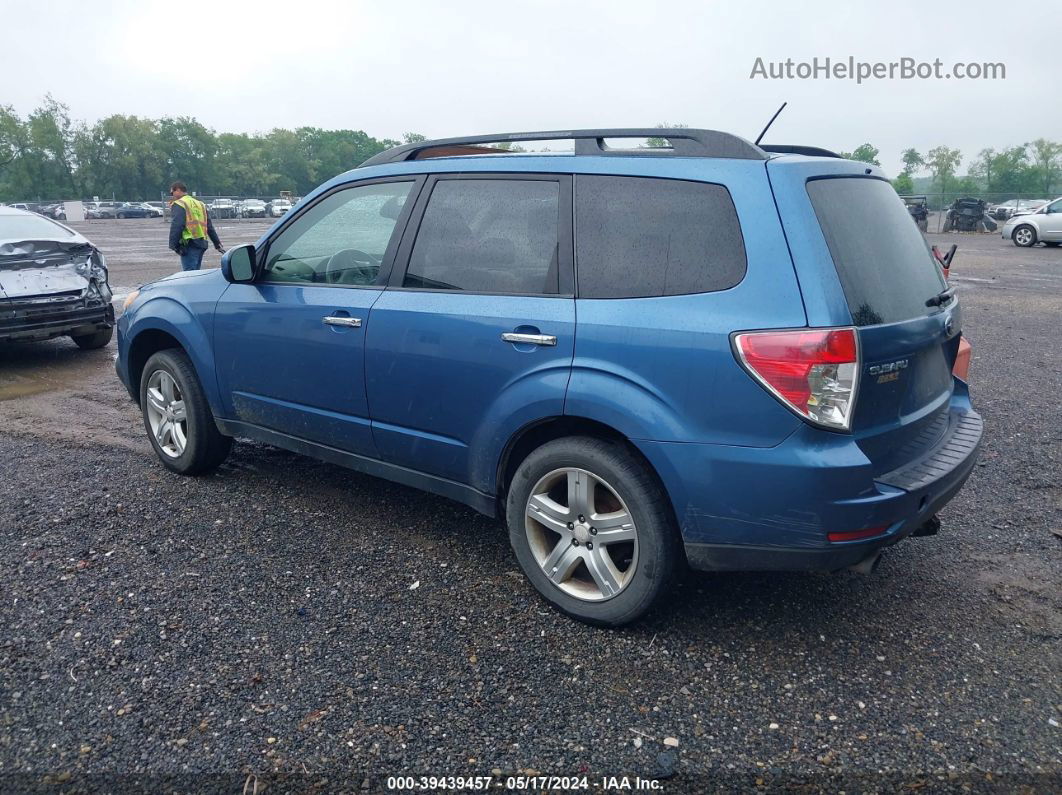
(426, 392)
(280, 366)
(446, 392)
(182, 306)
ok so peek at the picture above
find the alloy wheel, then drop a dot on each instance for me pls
(1023, 236)
(581, 534)
(166, 413)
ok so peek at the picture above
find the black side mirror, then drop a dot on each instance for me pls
(238, 263)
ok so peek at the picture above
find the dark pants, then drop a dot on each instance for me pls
(192, 257)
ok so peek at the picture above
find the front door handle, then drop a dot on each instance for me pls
(349, 322)
(529, 339)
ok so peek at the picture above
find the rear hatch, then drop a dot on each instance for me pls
(889, 288)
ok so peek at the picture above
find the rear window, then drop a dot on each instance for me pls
(639, 237)
(488, 236)
(883, 262)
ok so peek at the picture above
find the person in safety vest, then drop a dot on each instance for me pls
(190, 228)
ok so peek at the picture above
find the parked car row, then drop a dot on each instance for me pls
(220, 208)
(124, 210)
(1008, 209)
(248, 208)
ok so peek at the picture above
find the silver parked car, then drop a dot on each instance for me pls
(252, 208)
(1040, 226)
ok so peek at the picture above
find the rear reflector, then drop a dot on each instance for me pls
(858, 535)
(814, 372)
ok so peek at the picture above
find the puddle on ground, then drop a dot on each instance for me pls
(34, 368)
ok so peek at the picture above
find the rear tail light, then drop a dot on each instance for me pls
(814, 372)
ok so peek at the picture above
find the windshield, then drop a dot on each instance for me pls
(31, 227)
(884, 264)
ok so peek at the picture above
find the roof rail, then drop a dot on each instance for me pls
(796, 149)
(684, 142)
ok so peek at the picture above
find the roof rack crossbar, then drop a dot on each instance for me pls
(684, 142)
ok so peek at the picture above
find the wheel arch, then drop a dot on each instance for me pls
(170, 325)
(535, 434)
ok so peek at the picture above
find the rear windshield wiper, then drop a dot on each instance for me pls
(941, 298)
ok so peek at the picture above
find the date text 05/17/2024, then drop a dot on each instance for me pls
(520, 783)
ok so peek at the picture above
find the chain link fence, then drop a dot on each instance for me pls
(999, 207)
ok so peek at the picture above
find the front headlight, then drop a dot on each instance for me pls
(129, 300)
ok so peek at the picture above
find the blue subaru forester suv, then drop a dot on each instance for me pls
(710, 353)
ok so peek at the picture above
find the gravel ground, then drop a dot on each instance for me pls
(292, 623)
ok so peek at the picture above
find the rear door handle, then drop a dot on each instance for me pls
(529, 339)
(349, 322)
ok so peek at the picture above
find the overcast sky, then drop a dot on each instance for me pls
(444, 69)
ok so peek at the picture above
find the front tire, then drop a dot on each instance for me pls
(1024, 236)
(98, 339)
(177, 416)
(592, 530)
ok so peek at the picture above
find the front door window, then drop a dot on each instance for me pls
(341, 240)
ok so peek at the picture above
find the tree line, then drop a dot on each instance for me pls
(1027, 169)
(47, 155)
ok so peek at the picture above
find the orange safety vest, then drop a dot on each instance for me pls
(195, 218)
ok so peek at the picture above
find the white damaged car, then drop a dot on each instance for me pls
(53, 282)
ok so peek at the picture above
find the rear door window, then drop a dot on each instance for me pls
(882, 260)
(640, 237)
(488, 236)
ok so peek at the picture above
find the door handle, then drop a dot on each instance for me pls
(529, 339)
(349, 322)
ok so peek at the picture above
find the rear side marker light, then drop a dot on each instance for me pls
(858, 535)
(813, 372)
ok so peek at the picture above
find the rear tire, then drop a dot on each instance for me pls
(177, 416)
(99, 339)
(1024, 236)
(577, 484)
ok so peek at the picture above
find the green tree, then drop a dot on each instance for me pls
(912, 161)
(1047, 160)
(190, 151)
(942, 163)
(903, 184)
(985, 168)
(967, 186)
(864, 153)
(655, 142)
(1011, 172)
(413, 138)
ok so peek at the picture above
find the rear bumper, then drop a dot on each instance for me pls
(29, 320)
(770, 509)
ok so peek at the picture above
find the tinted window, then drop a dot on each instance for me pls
(488, 236)
(638, 237)
(341, 239)
(882, 259)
